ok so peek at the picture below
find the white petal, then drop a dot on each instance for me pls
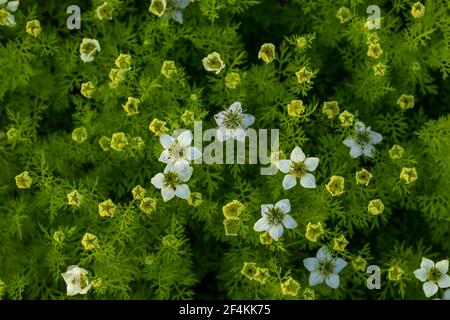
(375, 137)
(356, 151)
(72, 290)
(219, 117)
(276, 231)
(158, 181)
(181, 165)
(289, 222)
(265, 208)
(261, 225)
(289, 182)
(311, 264)
(239, 135)
(178, 16)
(193, 153)
(311, 163)
(185, 138)
(442, 266)
(182, 191)
(430, 288)
(297, 155)
(447, 294)
(164, 157)
(339, 265)
(223, 134)
(332, 281)
(369, 151)
(248, 120)
(284, 205)
(426, 264)
(236, 107)
(186, 175)
(284, 165)
(324, 254)
(166, 140)
(182, 3)
(349, 142)
(84, 57)
(315, 278)
(444, 281)
(421, 274)
(360, 126)
(12, 6)
(3, 1)
(167, 194)
(308, 181)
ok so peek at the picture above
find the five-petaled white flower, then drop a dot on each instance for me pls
(233, 123)
(77, 280)
(172, 183)
(324, 267)
(434, 275)
(178, 150)
(275, 218)
(299, 167)
(88, 48)
(6, 7)
(363, 141)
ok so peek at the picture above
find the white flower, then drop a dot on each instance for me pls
(434, 275)
(88, 48)
(6, 7)
(363, 141)
(233, 123)
(178, 151)
(171, 183)
(275, 218)
(177, 12)
(213, 63)
(324, 268)
(299, 167)
(77, 280)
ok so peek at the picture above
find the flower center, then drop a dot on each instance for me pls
(326, 267)
(298, 169)
(434, 274)
(89, 48)
(177, 152)
(214, 62)
(362, 137)
(233, 120)
(275, 216)
(171, 179)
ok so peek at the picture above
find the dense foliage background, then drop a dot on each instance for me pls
(181, 251)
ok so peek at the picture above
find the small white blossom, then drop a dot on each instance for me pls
(88, 48)
(178, 150)
(275, 218)
(77, 280)
(363, 141)
(233, 123)
(172, 183)
(6, 7)
(213, 63)
(324, 267)
(298, 167)
(434, 275)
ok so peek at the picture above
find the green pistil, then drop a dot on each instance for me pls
(171, 179)
(434, 275)
(233, 120)
(326, 267)
(298, 169)
(362, 138)
(275, 216)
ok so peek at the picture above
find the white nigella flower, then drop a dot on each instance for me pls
(299, 167)
(434, 275)
(88, 48)
(172, 183)
(77, 280)
(275, 218)
(233, 123)
(178, 150)
(363, 141)
(6, 7)
(324, 267)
